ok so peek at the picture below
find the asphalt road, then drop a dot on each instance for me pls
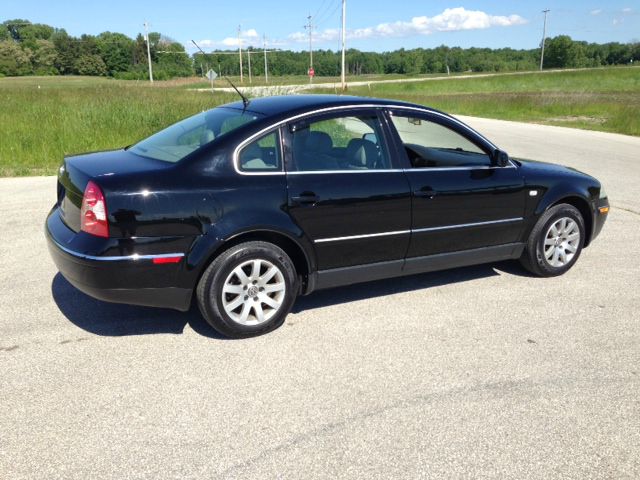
(480, 372)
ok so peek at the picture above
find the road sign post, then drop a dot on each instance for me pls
(212, 75)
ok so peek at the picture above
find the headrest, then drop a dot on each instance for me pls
(319, 142)
(361, 152)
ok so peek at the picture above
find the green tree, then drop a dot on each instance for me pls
(44, 58)
(562, 52)
(13, 59)
(116, 50)
(90, 64)
(173, 60)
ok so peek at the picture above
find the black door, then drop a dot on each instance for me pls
(344, 191)
(460, 199)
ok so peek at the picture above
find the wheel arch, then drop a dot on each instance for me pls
(582, 205)
(301, 259)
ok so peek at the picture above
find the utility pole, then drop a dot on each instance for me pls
(344, 37)
(264, 50)
(249, 60)
(309, 26)
(240, 52)
(544, 35)
(146, 36)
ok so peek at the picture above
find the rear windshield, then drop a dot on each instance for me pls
(180, 139)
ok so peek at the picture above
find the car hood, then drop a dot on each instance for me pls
(537, 167)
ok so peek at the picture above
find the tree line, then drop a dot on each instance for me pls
(37, 49)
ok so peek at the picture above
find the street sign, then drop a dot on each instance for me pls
(312, 72)
(211, 75)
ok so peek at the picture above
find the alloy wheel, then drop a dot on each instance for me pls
(561, 242)
(253, 292)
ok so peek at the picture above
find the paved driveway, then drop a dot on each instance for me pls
(475, 372)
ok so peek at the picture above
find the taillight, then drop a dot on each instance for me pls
(93, 215)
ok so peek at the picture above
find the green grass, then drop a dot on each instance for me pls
(259, 81)
(44, 118)
(606, 99)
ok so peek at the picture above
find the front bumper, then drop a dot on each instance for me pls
(128, 278)
(599, 217)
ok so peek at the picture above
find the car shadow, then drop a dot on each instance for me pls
(361, 291)
(116, 320)
(113, 319)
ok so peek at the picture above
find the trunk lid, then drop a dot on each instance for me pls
(76, 171)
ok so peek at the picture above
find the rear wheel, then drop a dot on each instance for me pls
(556, 241)
(248, 290)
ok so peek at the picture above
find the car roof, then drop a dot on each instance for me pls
(283, 104)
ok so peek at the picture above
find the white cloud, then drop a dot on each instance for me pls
(246, 37)
(627, 10)
(597, 11)
(451, 19)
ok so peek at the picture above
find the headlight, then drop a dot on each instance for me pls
(603, 194)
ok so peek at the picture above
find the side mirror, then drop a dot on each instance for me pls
(500, 158)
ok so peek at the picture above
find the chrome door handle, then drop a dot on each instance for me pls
(305, 199)
(424, 193)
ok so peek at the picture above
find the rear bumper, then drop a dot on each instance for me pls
(129, 278)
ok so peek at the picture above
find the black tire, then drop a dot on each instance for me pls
(210, 290)
(533, 257)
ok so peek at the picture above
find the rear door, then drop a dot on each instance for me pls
(460, 199)
(345, 192)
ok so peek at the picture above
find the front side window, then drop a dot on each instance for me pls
(429, 144)
(262, 155)
(180, 139)
(348, 143)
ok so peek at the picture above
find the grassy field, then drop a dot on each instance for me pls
(259, 81)
(44, 118)
(606, 99)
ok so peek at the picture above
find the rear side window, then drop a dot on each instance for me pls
(180, 139)
(429, 144)
(341, 143)
(262, 155)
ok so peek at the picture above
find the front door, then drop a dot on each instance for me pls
(460, 199)
(345, 192)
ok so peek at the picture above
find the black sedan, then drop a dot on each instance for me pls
(245, 206)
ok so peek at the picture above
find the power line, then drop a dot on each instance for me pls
(320, 15)
(323, 4)
(326, 18)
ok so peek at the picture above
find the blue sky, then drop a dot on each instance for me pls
(385, 26)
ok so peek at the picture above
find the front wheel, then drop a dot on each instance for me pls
(248, 290)
(555, 242)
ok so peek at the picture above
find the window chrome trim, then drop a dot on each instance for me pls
(235, 157)
(117, 258)
(440, 169)
(466, 225)
(418, 230)
(357, 237)
(371, 170)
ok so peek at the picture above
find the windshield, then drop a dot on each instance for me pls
(180, 139)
